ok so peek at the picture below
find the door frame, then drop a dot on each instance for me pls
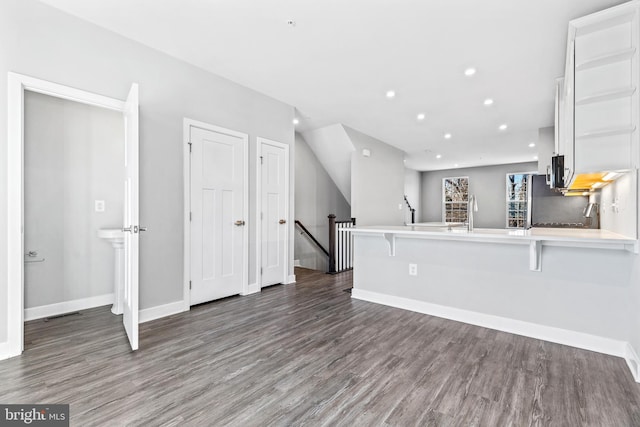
(260, 142)
(17, 84)
(186, 137)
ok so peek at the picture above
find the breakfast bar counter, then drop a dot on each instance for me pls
(570, 286)
(536, 238)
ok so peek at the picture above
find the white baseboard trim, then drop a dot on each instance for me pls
(253, 288)
(159, 311)
(7, 352)
(43, 311)
(533, 330)
(633, 362)
(291, 279)
(296, 263)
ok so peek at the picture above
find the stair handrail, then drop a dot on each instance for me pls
(412, 210)
(308, 233)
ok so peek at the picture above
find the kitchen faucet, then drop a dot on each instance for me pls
(472, 206)
(592, 208)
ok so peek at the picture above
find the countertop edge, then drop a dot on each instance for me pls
(524, 236)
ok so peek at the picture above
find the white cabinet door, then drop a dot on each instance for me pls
(605, 96)
(568, 128)
(546, 148)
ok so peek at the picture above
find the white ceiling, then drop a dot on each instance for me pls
(340, 58)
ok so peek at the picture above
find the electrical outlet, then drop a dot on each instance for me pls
(413, 269)
(99, 205)
(615, 206)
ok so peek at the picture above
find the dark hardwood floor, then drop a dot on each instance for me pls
(306, 354)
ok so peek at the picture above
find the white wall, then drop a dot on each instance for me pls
(488, 183)
(43, 42)
(316, 197)
(333, 148)
(626, 192)
(74, 155)
(377, 182)
(412, 184)
(618, 208)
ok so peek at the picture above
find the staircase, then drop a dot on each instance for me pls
(340, 251)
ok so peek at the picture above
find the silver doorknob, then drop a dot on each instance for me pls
(239, 223)
(282, 221)
(127, 229)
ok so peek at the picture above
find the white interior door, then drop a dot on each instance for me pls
(218, 213)
(274, 196)
(131, 218)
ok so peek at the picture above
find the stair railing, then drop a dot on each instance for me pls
(412, 210)
(313, 239)
(340, 244)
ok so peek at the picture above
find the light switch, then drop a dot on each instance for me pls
(99, 205)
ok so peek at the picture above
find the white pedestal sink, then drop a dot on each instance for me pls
(115, 236)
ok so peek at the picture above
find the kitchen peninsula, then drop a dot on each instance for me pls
(566, 286)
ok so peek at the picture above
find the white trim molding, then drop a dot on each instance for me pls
(253, 288)
(287, 178)
(291, 279)
(186, 223)
(59, 308)
(532, 330)
(160, 311)
(633, 362)
(17, 84)
(6, 351)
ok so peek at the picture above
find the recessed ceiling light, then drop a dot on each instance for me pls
(296, 121)
(391, 93)
(439, 156)
(535, 157)
(455, 165)
(469, 72)
(503, 126)
(420, 116)
(488, 101)
(447, 136)
(531, 145)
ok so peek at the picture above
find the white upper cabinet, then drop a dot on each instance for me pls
(546, 149)
(601, 91)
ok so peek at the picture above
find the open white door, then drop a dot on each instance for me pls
(131, 218)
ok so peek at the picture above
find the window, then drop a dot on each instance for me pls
(517, 200)
(455, 195)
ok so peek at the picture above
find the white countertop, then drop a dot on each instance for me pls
(547, 234)
(534, 237)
